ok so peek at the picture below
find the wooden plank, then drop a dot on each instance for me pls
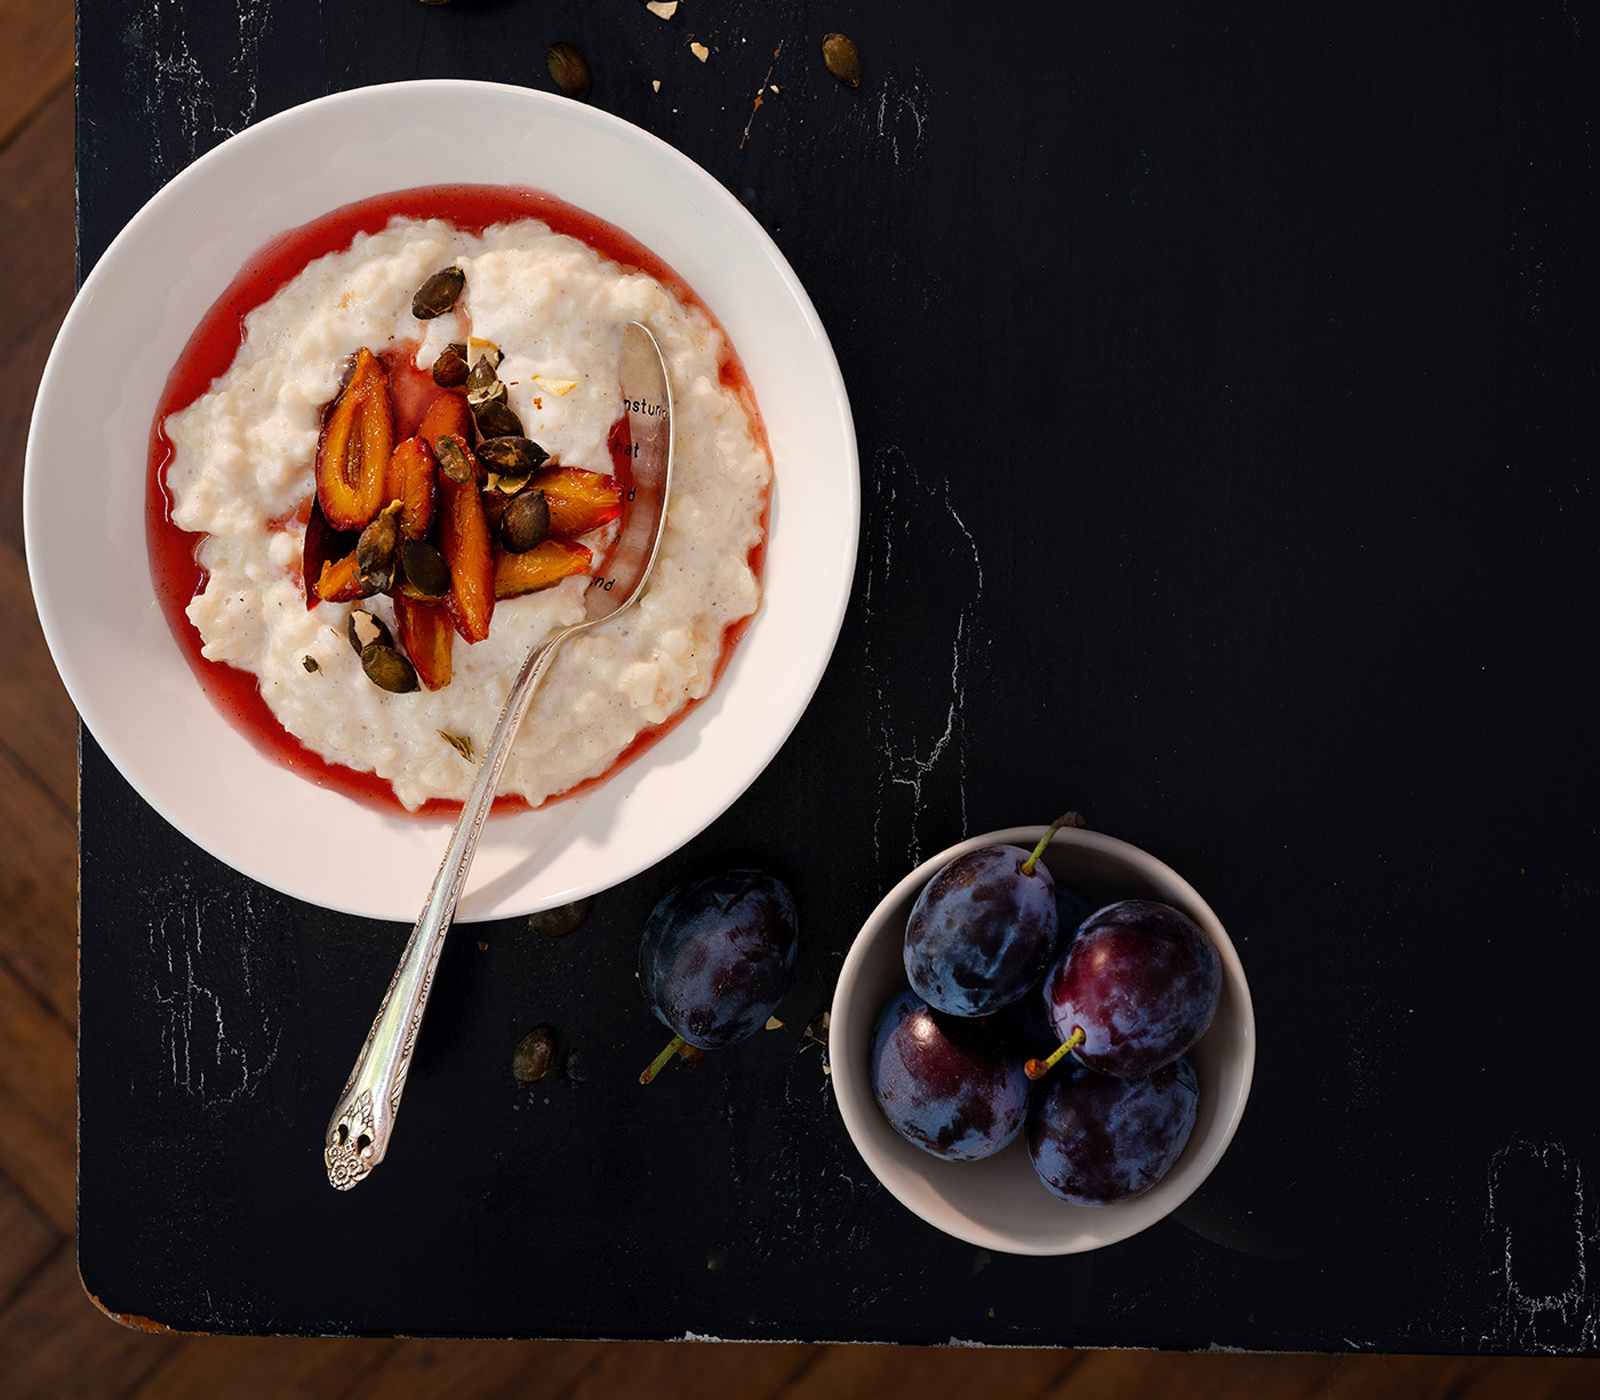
(26, 1240)
(934, 1373)
(54, 1343)
(479, 1370)
(35, 60)
(38, 724)
(38, 805)
(38, 891)
(37, 213)
(646, 1370)
(38, 1103)
(273, 1368)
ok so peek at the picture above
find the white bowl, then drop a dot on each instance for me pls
(84, 495)
(1000, 1203)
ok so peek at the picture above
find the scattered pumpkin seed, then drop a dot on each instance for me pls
(461, 743)
(497, 419)
(508, 485)
(525, 522)
(483, 384)
(363, 629)
(569, 70)
(387, 669)
(424, 568)
(454, 460)
(560, 921)
(842, 58)
(438, 294)
(512, 456)
(376, 549)
(450, 368)
(534, 1056)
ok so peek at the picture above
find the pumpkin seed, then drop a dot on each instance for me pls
(387, 669)
(454, 460)
(424, 568)
(497, 419)
(526, 522)
(438, 294)
(512, 456)
(483, 384)
(569, 70)
(375, 551)
(310, 663)
(363, 629)
(450, 369)
(560, 921)
(842, 58)
(459, 742)
(534, 1055)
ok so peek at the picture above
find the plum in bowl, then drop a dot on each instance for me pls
(999, 1203)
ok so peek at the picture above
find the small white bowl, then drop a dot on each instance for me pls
(1000, 1203)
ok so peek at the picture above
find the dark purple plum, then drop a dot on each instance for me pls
(1095, 1140)
(982, 931)
(716, 958)
(1142, 983)
(951, 1085)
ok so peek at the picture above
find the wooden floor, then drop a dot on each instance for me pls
(55, 1343)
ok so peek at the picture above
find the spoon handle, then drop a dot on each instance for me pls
(358, 1132)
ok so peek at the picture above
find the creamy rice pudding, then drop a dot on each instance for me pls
(242, 468)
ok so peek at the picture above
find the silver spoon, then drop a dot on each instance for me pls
(358, 1132)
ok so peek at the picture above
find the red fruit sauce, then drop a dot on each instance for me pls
(211, 350)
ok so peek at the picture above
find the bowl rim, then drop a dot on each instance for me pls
(863, 1119)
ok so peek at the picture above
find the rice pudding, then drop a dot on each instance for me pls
(242, 472)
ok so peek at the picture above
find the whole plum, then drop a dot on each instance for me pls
(716, 957)
(1095, 1140)
(983, 930)
(952, 1086)
(1137, 987)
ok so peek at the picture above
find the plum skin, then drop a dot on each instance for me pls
(1142, 981)
(1095, 1140)
(716, 956)
(981, 932)
(952, 1086)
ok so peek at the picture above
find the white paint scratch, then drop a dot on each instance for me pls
(213, 1054)
(918, 718)
(1538, 1215)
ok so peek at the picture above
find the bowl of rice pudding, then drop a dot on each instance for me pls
(196, 371)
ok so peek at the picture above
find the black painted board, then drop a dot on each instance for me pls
(1224, 382)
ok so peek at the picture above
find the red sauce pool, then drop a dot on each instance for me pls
(211, 350)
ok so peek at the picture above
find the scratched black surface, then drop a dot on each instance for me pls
(1225, 386)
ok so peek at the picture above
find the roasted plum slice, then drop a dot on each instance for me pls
(540, 567)
(464, 542)
(579, 500)
(356, 445)
(426, 633)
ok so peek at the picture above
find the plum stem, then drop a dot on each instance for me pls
(1065, 819)
(1037, 1069)
(658, 1064)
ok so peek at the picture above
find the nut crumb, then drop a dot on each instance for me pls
(700, 51)
(774, 1024)
(661, 9)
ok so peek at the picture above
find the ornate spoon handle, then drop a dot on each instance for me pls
(358, 1132)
